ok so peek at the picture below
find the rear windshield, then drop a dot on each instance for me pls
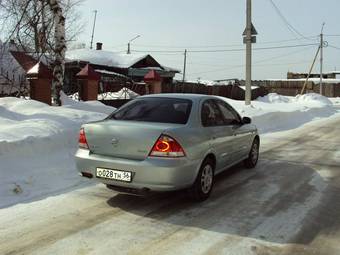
(164, 110)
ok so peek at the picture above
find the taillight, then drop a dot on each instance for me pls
(166, 146)
(82, 139)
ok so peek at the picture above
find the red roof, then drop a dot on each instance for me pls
(39, 71)
(25, 60)
(151, 76)
(88, 73)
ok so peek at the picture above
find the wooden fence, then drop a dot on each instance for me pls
(293, 87)
(230, 91)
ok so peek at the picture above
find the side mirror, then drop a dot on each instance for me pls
(246, 120)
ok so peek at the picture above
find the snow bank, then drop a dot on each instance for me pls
(274, 98)
(37, 144)
(313, 98)
(91, 106)
(273, 112)
(124, 93)
(335, 100)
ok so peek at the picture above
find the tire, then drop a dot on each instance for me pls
(204, 182)
(253, 157)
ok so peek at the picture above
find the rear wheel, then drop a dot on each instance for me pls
(253, 157)
(204, 182)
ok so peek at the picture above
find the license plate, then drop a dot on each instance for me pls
(112, 174)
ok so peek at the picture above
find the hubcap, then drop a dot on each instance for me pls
(206, 179)
(255, 152)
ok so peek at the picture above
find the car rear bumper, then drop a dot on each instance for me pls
(154, 174)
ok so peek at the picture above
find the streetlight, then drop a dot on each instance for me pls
(128, 50)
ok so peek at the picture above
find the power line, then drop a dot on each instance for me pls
(281, 56)
(214, 46)
(256, 62)
(227, 50)
(181, 47)
(289, 26)
(255, 66)
(334, 47)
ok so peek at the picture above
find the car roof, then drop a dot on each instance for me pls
(180, 95)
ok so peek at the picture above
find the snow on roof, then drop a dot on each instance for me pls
(162, 68)
(252, 87)
(170, 69)
(110, 73)
(204, 82)
(315, 80)
(104, 58)
(209, 82)
(34, 69)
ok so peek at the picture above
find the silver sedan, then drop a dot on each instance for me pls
(165, 142)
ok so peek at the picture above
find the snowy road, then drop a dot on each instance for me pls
(289, 204)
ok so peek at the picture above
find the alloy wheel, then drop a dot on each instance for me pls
(206, 179)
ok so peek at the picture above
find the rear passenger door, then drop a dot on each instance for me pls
(241, 135)
(220, 136)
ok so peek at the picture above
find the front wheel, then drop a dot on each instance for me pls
(253, 156)
(204, 182)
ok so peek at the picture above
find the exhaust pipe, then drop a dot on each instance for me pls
(87, 175)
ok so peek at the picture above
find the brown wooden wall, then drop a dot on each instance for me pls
(293, 88)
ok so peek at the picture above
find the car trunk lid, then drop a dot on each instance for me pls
(124, 139)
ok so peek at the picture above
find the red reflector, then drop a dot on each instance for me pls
(166, 146)
(82, 139)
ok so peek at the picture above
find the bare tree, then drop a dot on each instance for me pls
(59, 48)
(31, 23)
(12, 76)
(43, 27)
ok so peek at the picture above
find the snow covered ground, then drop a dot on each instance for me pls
(273, 112)
(37, 141)
(124, 93)
(37, 144)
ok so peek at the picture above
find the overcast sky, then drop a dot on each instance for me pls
(218, 24)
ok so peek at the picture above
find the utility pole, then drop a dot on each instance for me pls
(128, 49)
(185, 65)
(94, 25)
(249, 38)
(310, 71)
(321, 57)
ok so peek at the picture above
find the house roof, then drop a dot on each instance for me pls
(104, 58)
(25, 60)
(88, 73)
(40, 70)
